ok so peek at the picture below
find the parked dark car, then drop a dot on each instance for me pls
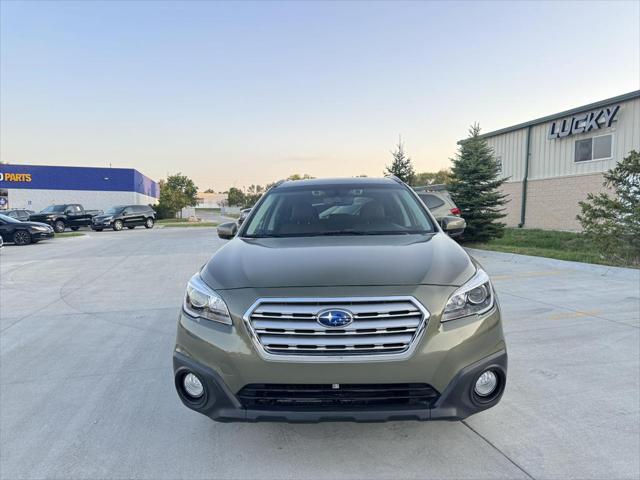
(120, 216)
(244, 213)
(19, 214)
(23, 233)
(72, 215)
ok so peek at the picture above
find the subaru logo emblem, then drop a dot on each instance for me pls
(335, 318)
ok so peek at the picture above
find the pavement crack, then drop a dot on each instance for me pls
(83, 375)
(586, 314)
(513, 462)
(63, 296)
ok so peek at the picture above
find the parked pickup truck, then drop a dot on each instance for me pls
(72, 215)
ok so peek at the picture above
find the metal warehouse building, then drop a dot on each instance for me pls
(551, 163)
(36, 186)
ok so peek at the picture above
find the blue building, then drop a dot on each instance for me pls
(36, 186)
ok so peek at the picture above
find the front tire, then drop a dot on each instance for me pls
(149, 223)
(22, 237)
(117, 225)
(59, 226)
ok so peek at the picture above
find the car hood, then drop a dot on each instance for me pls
(42, 216)
(432, 259)
(103, 217)
(34, 224)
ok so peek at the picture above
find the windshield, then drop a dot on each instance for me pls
(319, 210)
(114, 210)
(9, 219)
(53, 208)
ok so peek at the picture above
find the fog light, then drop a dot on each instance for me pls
(193, 385)
(486, 384)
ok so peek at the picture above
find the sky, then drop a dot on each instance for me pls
(233, 94)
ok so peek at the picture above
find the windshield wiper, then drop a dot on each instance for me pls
(374, 232)
(262, 236)
(309, 234)
(336, 233)
(401, 232)
(341, 232)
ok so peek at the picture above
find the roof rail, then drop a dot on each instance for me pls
(439, 187)
(393, 177)
(277, 184)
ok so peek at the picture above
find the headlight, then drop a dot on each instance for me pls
(473, 298)
(201, 301)
(41, 229)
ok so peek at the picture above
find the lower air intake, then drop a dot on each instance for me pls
(332, 397)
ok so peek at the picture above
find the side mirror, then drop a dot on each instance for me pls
(454, 226)
(227, 231)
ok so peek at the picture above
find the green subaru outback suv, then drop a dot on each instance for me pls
(340, 300)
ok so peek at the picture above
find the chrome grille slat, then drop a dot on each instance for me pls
(380, 316)
(348, 340)
(382, 326)
(326, 349)
(412, 322)
(355, 308)
(330, 333)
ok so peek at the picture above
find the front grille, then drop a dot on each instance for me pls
(336, 397)
(385, 325)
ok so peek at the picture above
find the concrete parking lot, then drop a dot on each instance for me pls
(87, 330)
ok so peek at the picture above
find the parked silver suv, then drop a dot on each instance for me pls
(438, 200)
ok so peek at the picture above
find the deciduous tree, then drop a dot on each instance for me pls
(176, 192)
(236, 197)
(433, 178)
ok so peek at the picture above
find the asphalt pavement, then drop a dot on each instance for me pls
(87, 327)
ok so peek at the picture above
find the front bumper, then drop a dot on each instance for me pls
(101, 225)
(42, 235)
(48, 221)
(456, 402)
(445, 358)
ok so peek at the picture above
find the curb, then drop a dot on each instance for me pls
(602, 270)
(84, 235)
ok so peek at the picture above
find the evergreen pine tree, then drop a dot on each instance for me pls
(475, 187)
(613, 223)
(401, 166)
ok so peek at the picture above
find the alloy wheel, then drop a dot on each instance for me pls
(21, 237)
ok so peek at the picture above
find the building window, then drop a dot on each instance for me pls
(602, 147)
(499, 164)
(583, 150)
(594, 148)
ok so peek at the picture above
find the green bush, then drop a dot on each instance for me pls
(612, 222)
(162, 211)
